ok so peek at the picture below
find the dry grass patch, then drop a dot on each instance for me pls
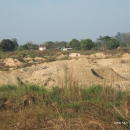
(35, 108)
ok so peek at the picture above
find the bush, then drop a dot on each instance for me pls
(8, 88)
(7, 45)
(75, 44)
(112, 44)
(87, 44)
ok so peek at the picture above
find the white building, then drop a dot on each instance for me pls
(42, 48)
(66, 49)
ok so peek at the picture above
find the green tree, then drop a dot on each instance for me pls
(24, 47)
(15, 41)
(7, 45)
(118, 36)
(75, 44)
(112, 44)
(104, 39)
(29, 46)
(49, 45)
(122, 44)
(62, 43)
(86, 44)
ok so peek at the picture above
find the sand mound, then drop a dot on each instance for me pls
(98, 55)
(38, 59)
(61, 56)
(81, 71)
(12, 62)
(62, 73)
(2, 63)
(107, 74)
(8, 79)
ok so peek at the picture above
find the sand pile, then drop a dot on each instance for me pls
(81, 71)
(108, 75)
(12, 62)
(7, 79)
(98, 55)
(61, 56)
(36, 59)
(61, 73)
(2, 63)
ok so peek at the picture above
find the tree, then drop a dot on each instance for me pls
(104, 39)
(15, 41)
(122, 44)
(87, 44)
(75, 44)
(25, 47)
(62, 43)
(29, 46)
(7, 45)
(118, 36)
(49, 44)
(112, 44)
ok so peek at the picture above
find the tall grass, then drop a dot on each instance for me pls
(35, 107)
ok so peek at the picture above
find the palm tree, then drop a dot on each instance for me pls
(104, 39)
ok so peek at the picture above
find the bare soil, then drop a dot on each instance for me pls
(98, 68)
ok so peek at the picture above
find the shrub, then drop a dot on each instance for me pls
(7, 45)
(112, 44)
(86, 44)
(8, 88)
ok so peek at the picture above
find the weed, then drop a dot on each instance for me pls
(8, 88)
(65, 58)
(61, 106)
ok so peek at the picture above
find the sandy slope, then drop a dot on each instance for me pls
(86, 70)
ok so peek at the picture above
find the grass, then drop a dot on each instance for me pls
(4, 68)
(48, 55)
(35, 107)
(20, 54)
(68, 108)
(65, 58)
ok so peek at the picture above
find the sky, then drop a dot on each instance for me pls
(39, 21)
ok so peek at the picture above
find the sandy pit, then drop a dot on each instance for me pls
(82, 71)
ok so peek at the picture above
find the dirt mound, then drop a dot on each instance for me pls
(8, 79)
(61, 56)
(12, 62)
(69, 72)
(36, 59)
(98, 55)
(81, 71)
(107, 74)
(2, 63)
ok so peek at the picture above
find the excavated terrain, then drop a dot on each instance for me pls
(85, 70)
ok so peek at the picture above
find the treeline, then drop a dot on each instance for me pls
(106, 42)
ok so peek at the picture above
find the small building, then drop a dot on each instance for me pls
(41, 48)
(66, 49)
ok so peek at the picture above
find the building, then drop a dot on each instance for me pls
(66, 49)
(41, 48)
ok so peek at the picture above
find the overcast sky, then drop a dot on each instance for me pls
(62, 20)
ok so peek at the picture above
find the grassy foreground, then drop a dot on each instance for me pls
(74, 108)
